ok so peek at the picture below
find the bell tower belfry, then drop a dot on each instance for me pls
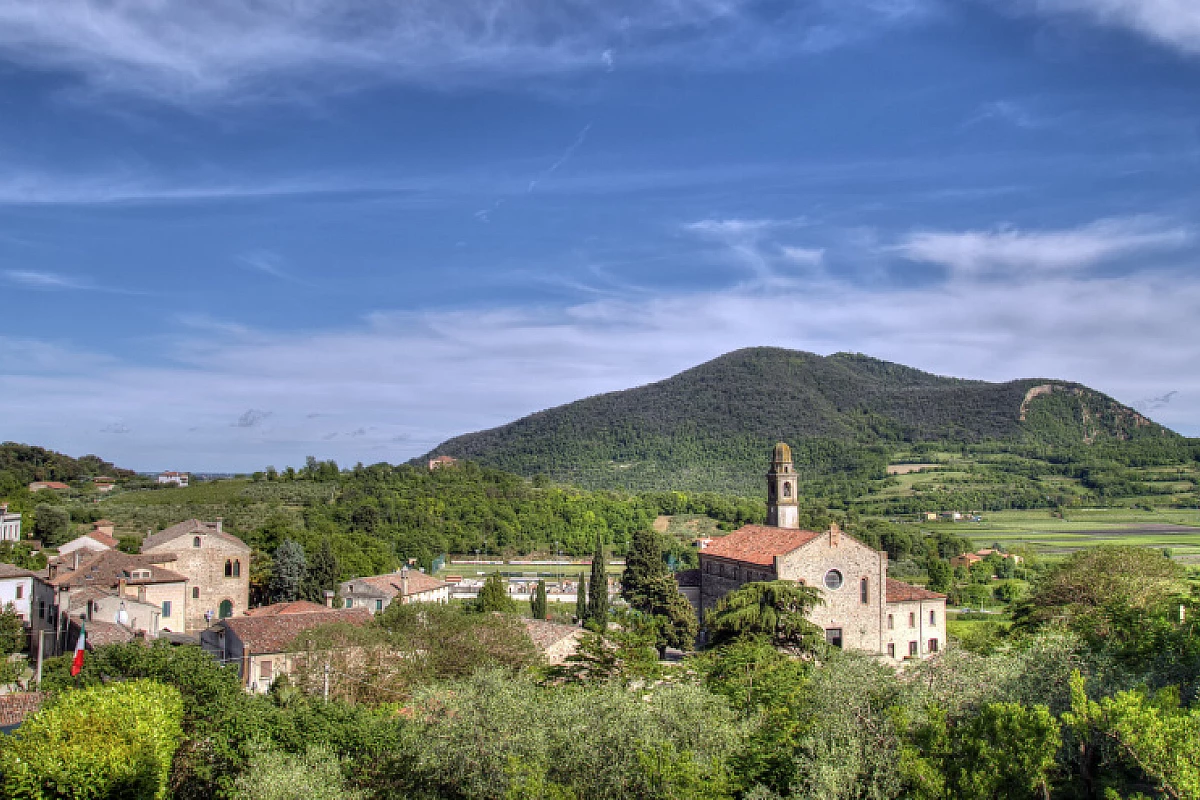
(782, 508)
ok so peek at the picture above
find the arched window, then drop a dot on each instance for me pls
(195, 541)
(228, 568)
(787, 489)
(237, 568)
(864, 591)
(226, 609)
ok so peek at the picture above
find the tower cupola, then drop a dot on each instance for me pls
(783, 510)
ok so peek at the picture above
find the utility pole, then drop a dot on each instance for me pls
(41, 656)
(326, 689)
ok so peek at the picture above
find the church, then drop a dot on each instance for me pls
(864, 609)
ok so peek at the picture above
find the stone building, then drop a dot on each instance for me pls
(143, 578)
(377, 592)
(863, 609)
(216, 564)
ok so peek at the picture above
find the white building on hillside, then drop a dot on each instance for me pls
(177, 478)
(10, 524)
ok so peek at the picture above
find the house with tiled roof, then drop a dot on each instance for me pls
(97, 540)
(260, 645)
(862, 608)
(138, 577)
(294, 607)
(54, 486)
(217, 566)
(377, 592)
(556, 642)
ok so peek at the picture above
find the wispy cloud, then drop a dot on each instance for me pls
(1008, 251)
(1154, 403)
(562, 159)
(228, 49)
(44, 280)
(1174, 23)
(1008, 111)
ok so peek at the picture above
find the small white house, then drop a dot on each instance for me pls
(10, 524)
(177, 478)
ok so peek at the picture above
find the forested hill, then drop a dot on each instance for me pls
(709, 427)
(21, 464)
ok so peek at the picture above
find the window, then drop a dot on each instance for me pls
(833, 580)
(237, 568)
(787, 489)
(933, 645)
(195, 592)
(891, 622)
(833, 636)
(41, 609)
(228, 568)
(140, 575)
(20, 590)
(195, 541)
(891, 649)
(864, 591)
(912, 619)
(264, 670)
(349, 602)
(379, 605)
(166, 608)
(932, 617)
(225, 610)
(912, 649)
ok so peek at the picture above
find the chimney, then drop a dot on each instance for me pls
(52, 571)
(329, 598)
(76, 560)
(220, 524)
(835, 535)
(404, 583)
(141, 593)
(121, 587)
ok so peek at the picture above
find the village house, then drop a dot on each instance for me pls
(10, 524)
(437, 462)
(97, 540)
(377, 592)
(118, 608)
(862, 610)
(215, 563)
(554, 641)
(24, 590)
(177, 478)
(260, 644)
(54, 486)
(104, 484)
(969, 559)
(138, 577)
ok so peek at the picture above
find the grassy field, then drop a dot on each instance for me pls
(1176, 529)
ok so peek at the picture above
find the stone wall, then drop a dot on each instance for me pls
(204, 567)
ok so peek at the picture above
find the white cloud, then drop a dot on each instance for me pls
(1175, 23)
(229, 49)
(804, 256)
(1009, 251)
(43, 280)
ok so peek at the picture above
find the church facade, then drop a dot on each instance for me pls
(863, 609)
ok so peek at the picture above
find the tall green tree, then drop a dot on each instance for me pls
(648, 586)
(322, 572)
(290, 570)
(51, 524)
(494, 596)
(776, 609)
(12, 640)
(598, 588)
(941, 575)
(581, 599)
(537, 602)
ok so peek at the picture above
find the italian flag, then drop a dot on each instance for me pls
(80, 643)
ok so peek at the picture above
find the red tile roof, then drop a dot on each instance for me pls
(106, 569)
(102, 538)
(901, 592)
(294, 607)
(15, 707)
(390, 584)
(188, 528)
(273, 634)
(758, 544)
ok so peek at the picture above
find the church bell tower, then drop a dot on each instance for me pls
(782, 508)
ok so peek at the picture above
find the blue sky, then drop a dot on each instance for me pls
(234, 234)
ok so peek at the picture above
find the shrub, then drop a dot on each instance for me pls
(109, 741)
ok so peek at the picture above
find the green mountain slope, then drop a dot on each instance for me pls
(709, 427)
(21, 464)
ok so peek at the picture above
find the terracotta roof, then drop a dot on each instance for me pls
(389, 585)
(188, 528)
(758, 544)
(273, 634)
(107, 568)
(546, 634)
(49, 485)
(901, 592)
(295, 607)
(14, 708)
(10, 571)
(100, 633)
(102, 538)
(688, 577)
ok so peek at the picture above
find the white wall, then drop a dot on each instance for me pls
(8, 594)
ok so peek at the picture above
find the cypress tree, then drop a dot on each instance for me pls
(494, 595)
(537, 602)
(597, 608)
(643, 565)
(581, 599)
